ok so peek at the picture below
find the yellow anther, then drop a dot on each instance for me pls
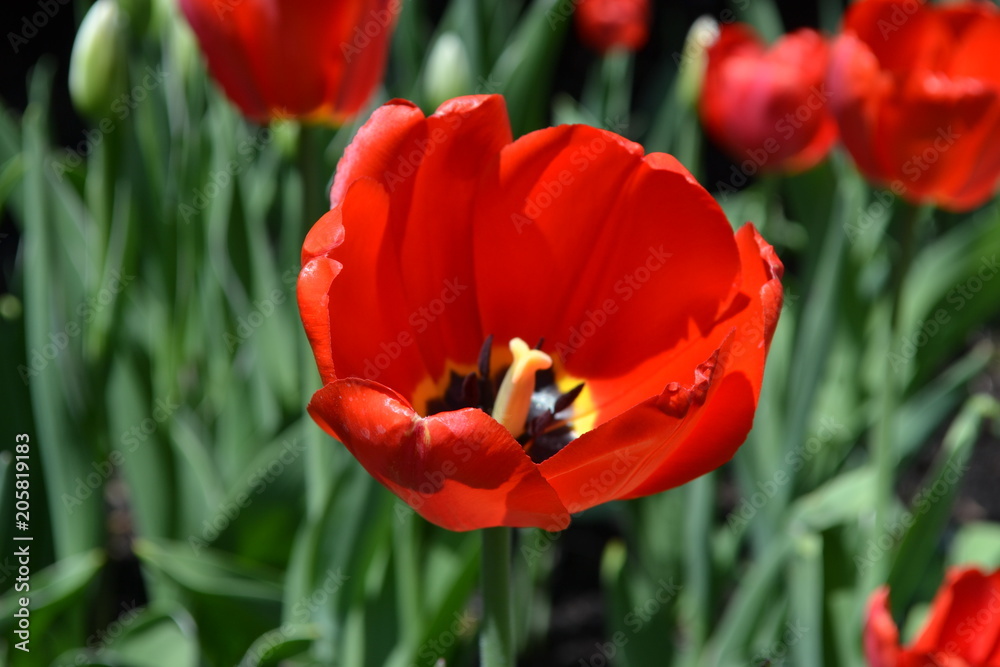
(514, 397)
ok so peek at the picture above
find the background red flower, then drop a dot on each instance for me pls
(962, 628)
(295, 58)
(916, 90)
(607, 24)
(768, 105)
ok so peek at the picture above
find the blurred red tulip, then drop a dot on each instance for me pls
(314, 60)
(962, 628)
(444, 234)
(607, 24)
(768, 107)
(916, 90)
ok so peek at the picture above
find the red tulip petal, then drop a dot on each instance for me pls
(463, 138)
(377, 149)
(769, 107)
(881, 634)
(325, 76)
(752, 312)
(902, 35)
(929, 133)
(460, 470)
(656, 449)
(313, 290)
(983, 180)
(592, 230)
(362, 61)
(370, 335)
(725, 421)
(857, 88)
(654, 266)
(611, 461)
(606, 24)
(542, 215)
(430, 168)
(976, 27)
(964, 619)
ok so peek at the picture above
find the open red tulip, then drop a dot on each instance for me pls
(768, 107)
(607, 24)
(448, 246)
(962, 628)
(916, 90)
(317, 60)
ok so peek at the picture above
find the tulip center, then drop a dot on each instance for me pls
(513, 400)
(524, 397)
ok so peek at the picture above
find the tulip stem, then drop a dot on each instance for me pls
(884, 435)
(319, 454)
(496, 643)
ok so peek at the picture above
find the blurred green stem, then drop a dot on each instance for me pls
(496, 644)
(318, 451)
(892, 388)
(608, 92)
(310, 165)
(408, 574)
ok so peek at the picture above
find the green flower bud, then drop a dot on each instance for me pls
(97, 66)
(694, 59)
(138, 13)
(447, 73)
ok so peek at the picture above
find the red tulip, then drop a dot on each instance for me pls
(607, 24)
(916, 90)
(444, 234)
(961, 630)
(316, 60)
(768, 107)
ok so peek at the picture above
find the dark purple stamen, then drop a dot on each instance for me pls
(544, 435)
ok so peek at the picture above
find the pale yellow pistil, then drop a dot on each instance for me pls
(514, 397)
